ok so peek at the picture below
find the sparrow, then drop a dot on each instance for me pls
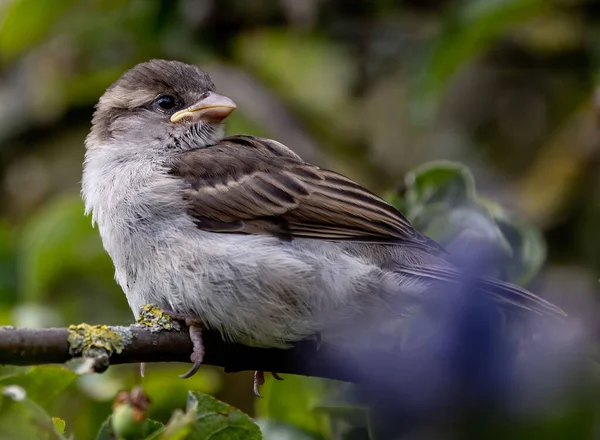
(238, 233)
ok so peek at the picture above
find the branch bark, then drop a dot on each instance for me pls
(24, 346)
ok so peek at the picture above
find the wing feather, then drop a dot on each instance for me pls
(271, 190)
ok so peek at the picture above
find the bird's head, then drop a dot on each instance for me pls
(160, 105)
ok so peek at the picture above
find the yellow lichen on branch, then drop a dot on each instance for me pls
(152, 317)
(97, 342)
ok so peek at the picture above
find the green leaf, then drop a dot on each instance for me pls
(59, 424)
(528, 247)
(179, 427)
(42, 383)
(440, 200)
(7, 371)
(25, 23)
(162, 377)
(443, 182)
(21, 418)
(216, 420)
(301, 410)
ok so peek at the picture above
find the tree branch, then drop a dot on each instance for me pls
(137, 343)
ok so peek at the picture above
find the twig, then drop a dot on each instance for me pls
(24, 346)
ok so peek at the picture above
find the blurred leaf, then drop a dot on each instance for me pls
(528, 245)
(164, 377)
(179, 427)
(470, 29)
(444, 182)
(21, 418)
(7, 371)
(43, 383)
(26, 23)
(59, 424)
(299, 411)
(216, 420)
(57, 238)
(440, 199)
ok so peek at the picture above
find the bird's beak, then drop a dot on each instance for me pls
(212, 108)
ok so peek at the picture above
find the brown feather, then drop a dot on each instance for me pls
(269, 189)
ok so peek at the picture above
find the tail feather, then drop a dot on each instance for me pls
(499, 290)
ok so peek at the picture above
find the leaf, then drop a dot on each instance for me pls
(43, 383)
(299, 411)
(528, 247)
(179, 427)
(216, 420)
(440, 200)
(59, 424)
(444, 182)
(21, 418)
(27, 22)
(162, 377)
(7, 371)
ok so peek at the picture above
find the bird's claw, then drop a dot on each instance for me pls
(197, 355)
(259, 380)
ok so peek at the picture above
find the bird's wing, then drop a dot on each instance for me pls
(258, 186)
(505, 293)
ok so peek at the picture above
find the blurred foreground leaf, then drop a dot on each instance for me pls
(208, 418)
(23, 419)
(43, 383)
(301, 409)
(440, 199)
(59, 424)
(217, 420)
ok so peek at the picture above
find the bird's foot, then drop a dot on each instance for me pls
(156, 318)
(195, 329)
(259, 380)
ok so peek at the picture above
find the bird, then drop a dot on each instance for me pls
(238, 233)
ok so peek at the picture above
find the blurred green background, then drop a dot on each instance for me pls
(371, 89)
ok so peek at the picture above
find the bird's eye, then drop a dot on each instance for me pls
(166, 102)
